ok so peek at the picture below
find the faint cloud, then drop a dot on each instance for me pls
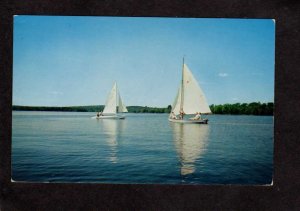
(222, 75)
(56, 93)
(235, 99)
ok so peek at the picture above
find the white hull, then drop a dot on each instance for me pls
(108, 117)
(189, 121)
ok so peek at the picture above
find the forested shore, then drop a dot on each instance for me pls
(254, 108)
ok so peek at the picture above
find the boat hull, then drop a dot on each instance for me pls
(108, 117)
(189, 121)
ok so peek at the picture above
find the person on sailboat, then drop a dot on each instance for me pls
(99, 114)
(181, 114)
(173, 116)
(197, 116)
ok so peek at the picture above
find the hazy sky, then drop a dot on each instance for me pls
(63, 61)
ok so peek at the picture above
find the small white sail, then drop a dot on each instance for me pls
(111, 102)
(114, 103)
(176, 104)
(192, 99)
(121, 106)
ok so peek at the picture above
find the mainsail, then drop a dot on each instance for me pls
(113, 102)
(190, 97)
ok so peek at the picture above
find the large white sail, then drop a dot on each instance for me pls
(192, 99)
(111, 102)
(121, 106)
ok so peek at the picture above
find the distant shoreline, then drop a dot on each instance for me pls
(254, 108)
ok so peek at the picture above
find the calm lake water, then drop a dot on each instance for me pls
(143, 148)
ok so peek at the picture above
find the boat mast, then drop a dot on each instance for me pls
(182, 91)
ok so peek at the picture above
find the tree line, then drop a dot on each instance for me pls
(131, 109)
(254, 108)
(58, 108)
(146, 109)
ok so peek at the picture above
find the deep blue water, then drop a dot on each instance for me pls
(143, 148)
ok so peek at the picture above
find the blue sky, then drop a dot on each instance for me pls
(64, 61)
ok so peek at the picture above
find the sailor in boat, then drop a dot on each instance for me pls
(173, 116)
(99, 114)
(196, 117)
(181, 114)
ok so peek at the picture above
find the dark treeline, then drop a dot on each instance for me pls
(55, 108)
(146, 109)
(255, 108)
(131, 109)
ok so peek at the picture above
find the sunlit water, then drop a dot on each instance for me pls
(143, 148)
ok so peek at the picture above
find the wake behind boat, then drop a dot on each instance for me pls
(113, 106)
(190, 99)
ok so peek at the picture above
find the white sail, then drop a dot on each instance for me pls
(121, 106)
(192, 99)
(114, 103)
(176, 104)
(111, 102)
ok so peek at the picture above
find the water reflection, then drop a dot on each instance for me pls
(190, 143)
(112, 129)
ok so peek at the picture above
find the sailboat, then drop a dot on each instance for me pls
(113, 106)
(190, 99)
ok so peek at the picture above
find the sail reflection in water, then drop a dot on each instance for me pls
(190, 143)
(112, 129)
